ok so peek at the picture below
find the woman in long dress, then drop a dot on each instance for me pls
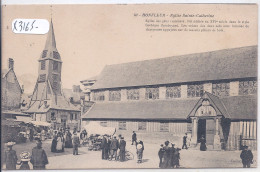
(54, 144)
(60, 141)
(68, 139)
(203, 146)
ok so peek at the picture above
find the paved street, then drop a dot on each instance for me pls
(92, 159)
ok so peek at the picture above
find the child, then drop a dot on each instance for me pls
(10, 157)
(25, 158)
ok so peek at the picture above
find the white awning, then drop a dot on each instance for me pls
(40, 123)
(95, 128)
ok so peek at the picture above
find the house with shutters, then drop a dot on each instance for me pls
(210, 94)
(48, 102)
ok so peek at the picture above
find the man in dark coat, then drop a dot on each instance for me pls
(10, 157)
(167, 155)
(39, 158)
(247, 157)
(114, 147)
(172, 151)
(134, 138)
(104, 147)
(185, 142)
(31, 134)
(122, 146)
(76, 144)
(160, 154)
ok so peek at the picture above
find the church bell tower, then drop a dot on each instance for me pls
(49, 71)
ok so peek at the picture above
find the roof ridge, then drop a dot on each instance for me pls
(178, 56)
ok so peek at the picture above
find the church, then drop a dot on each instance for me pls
(48, 102)
(209, 94)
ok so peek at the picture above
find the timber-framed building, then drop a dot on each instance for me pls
(213, 94)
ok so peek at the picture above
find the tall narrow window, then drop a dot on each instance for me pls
(152, 93)
(55, 86)
(55, 65)
(43, 65)
(44, 53)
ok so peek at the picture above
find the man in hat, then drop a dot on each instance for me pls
(247, 157)
(134, 138)
(39, 158)
(185, 142)
(122, 146)
(76, 143)
(172, 152)
(114, 147)
(160, 154)
(10, 157)
(167, 155)
(104, 145)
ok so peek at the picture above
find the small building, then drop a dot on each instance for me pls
(48, 103)
(11, 89)
(211, 94)
(87, 83)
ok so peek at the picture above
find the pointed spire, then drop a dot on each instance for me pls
(50, 51)
(50, 42)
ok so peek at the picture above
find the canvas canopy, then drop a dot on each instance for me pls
(40, 123)
(95, 128)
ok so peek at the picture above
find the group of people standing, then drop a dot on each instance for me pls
(169, 156)
(38, 157)
(113, 148)
(63, 140)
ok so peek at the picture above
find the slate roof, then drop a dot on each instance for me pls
(241, 107)
(149, 110)
(56, 102)
(216, 65)
(232, 107)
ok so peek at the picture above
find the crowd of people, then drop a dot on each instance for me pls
(113, 148)
(64, 139)
(169, 156)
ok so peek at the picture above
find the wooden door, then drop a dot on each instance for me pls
(210, 131)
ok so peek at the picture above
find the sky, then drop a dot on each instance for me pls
(88, 37)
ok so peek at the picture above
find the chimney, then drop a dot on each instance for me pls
(10, 63)
(22, 88)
